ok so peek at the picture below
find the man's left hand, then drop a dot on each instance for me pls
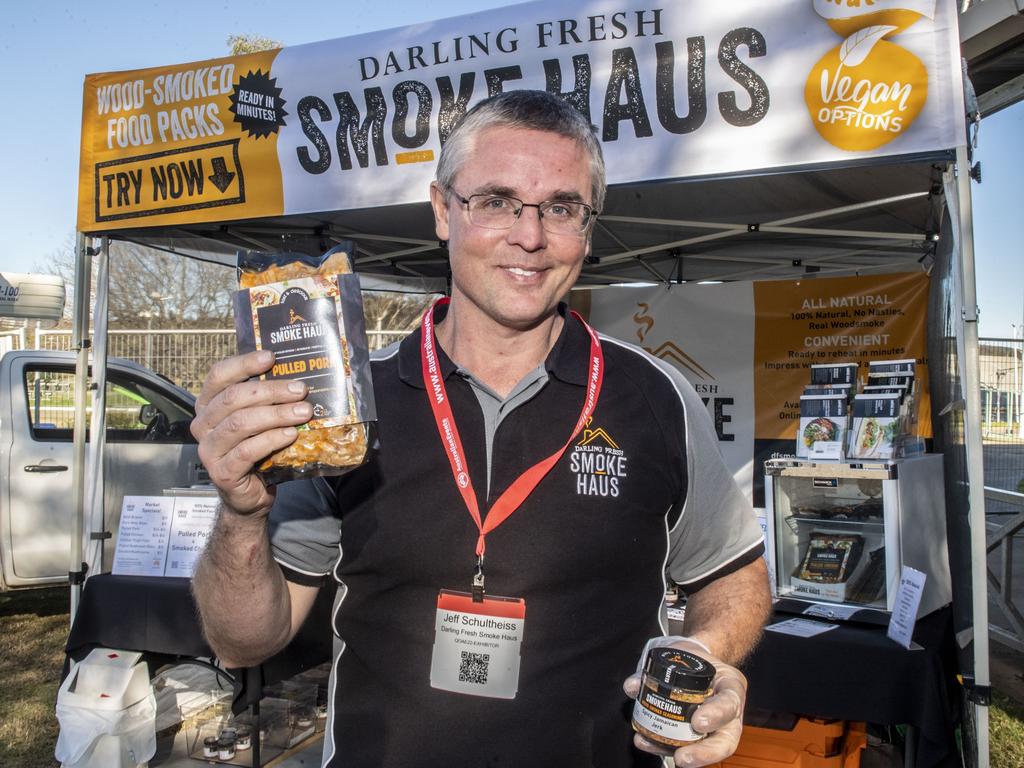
(720, 716)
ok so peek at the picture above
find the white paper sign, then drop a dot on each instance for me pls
(193, 521)
(800, 627)
(143, 535)
(904, 610)
(163, 535)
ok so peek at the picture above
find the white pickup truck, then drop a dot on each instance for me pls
(148, 448)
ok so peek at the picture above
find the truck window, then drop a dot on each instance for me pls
(135, 411)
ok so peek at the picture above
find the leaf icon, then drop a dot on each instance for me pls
(857, 46)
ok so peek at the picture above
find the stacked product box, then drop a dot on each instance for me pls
(874, 426)
(838, 422)
(824, 408)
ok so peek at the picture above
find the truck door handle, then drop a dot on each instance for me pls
(46, 468)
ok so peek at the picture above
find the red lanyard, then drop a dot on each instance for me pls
(523, 485)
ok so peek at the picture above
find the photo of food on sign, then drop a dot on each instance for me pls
(820, 430)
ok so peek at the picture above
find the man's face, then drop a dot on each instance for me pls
(514, 277)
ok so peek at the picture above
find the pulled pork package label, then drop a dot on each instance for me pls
(830, 557)
(308, 311)
(300, 326)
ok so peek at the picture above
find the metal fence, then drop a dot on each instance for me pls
(11, 340)
(183, 356)
(1001, 369)
(1001, 373)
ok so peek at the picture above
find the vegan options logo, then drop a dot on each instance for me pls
(867, 91)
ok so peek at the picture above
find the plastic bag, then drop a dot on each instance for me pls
(308, 310)
(81, 730)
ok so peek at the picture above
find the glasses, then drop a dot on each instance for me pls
(559, 217)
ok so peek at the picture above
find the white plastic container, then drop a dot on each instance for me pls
(107, 712)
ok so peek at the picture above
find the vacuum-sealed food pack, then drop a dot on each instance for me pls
(308, 311)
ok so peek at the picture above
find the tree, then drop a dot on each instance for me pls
(152, 289)
(248, 43)
(390, 315)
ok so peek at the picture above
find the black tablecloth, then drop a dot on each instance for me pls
(857, 673)
(156, 615)
(851, 672)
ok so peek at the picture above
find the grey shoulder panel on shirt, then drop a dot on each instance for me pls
(305, 531)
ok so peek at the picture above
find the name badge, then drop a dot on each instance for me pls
(476, 644)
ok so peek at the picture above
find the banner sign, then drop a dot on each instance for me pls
(748, 348)
(675, 90)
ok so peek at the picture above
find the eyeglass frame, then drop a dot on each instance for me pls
(592, 213)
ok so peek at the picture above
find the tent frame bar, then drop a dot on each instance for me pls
(778, 226)
(973, 448)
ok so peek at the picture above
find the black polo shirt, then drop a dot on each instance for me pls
(641, 492)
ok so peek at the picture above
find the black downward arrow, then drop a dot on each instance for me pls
(221, 177)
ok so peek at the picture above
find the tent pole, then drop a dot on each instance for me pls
(973, 447)
(80, 343)
(94, 532)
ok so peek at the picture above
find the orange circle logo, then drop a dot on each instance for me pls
(865, 92)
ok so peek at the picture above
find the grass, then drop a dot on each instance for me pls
(1006, 732)
(34, 627)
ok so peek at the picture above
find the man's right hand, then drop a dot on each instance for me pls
(241, 420)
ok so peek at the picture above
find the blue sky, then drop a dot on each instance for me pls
(46, 49)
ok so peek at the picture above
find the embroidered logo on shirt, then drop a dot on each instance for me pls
(598, 463)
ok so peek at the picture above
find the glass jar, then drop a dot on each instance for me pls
(226, 747)
(674, 684)
(243, 737)
(210, 746)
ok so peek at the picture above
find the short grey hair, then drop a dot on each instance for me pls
(530, 110)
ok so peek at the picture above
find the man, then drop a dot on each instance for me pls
(555, 615)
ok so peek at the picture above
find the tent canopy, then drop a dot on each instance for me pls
(867, 218)
(743, 141)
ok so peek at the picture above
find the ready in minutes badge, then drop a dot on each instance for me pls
(257, 104)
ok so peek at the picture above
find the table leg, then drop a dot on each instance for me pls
(256, 762)
(910, 740)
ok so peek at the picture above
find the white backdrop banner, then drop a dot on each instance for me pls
(707, 332)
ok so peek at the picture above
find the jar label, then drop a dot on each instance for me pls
(664, 718)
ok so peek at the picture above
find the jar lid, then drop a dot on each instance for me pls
(679, 669)
(226, 741)
(210, 741)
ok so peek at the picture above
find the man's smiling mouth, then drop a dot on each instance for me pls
(522, 272)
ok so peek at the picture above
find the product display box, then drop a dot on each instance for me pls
(822, 426)
(287, 718)
(841, 532)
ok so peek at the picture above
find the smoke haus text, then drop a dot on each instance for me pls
(346, 129)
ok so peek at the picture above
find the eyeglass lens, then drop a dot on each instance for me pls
(499, 212)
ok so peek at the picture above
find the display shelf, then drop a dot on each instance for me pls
(841, 533)
(873, 522)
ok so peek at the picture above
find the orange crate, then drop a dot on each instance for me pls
(810, 744)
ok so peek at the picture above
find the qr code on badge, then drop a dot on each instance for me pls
(473, 667)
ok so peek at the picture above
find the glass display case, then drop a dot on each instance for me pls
(841, 533)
